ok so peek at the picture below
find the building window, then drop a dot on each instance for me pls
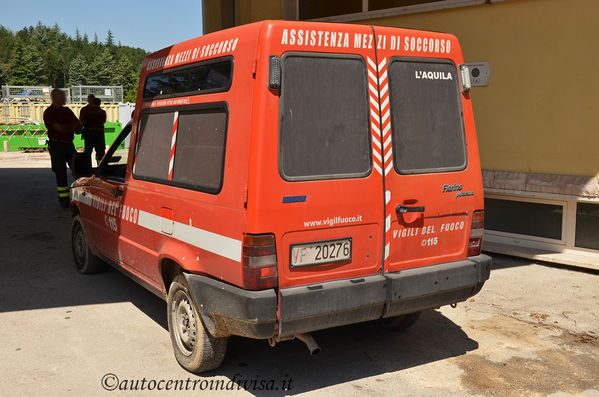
(523, 217)
(312, 9)
(587, 225)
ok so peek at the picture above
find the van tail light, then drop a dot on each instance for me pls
(476, 233)
(259, 262)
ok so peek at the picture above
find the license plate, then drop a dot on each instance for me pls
(319, 252)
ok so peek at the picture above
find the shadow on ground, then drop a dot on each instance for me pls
(36, 272)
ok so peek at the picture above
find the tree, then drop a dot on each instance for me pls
(127, 76)
(78, 71)
(109, 39)
(43, 55)
(103, 69)
(17, 66)
(7, 40)
(34, 66)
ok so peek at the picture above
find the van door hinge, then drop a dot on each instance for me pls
(245, 200)
(254, 68)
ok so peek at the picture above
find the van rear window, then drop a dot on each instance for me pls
(202, 78)
(324, 131)
(200, 149)
(426, 117)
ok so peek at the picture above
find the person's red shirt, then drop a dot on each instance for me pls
(58, 115)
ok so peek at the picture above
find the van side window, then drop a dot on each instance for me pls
(198, 78)
(200, 149)
(324, 131)
(426, 117)
(153, 148)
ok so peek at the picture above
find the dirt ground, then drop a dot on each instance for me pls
(532, 330)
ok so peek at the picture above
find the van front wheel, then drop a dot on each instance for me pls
(195, 348)
(85, 261)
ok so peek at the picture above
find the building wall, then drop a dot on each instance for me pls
(243, 12)
(211, 16)
(536, 114)
(257, 10)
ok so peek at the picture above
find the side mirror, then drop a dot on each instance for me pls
(81, 165)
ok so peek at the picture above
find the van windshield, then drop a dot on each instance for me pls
(426, 116)
(324, 131)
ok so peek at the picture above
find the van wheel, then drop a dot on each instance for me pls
(401, 323)
(195, 348)
(85, 261)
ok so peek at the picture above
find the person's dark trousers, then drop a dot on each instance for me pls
(61, 155)
(94, 139)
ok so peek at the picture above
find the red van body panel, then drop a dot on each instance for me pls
(359, 200)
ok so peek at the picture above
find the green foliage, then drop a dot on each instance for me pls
(17, 69)
(109, 39)
(78, 71)
(43, 55)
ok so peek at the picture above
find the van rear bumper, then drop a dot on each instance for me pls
(234, 311)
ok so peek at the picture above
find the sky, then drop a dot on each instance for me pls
(148, 24)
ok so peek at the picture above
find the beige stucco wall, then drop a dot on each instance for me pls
(539, 112)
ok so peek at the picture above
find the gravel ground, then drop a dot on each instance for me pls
(532, 330)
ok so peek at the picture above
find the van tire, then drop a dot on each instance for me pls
(195, 348)
(85, 260)
(400, 323)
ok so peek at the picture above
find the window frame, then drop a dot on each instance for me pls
(111, 150)
(576, 221)
(354, 175)
(394, 11)
(392, 117)
(229, 58)
(220, 105)
(527, 237)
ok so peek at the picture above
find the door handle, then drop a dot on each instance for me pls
(117, 192)
(402, 209)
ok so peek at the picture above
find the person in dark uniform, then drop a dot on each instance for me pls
(61, 123)
(93, 120)
(90, 104)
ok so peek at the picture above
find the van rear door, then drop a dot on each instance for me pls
(315, 183)
(432, 173)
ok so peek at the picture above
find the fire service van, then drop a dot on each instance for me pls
(286, 177)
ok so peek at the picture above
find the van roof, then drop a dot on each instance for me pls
(189, 51)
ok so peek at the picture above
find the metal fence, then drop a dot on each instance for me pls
(14, 93)
(113, 93)
(29, 112)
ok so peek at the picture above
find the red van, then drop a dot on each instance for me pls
(286, 177)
